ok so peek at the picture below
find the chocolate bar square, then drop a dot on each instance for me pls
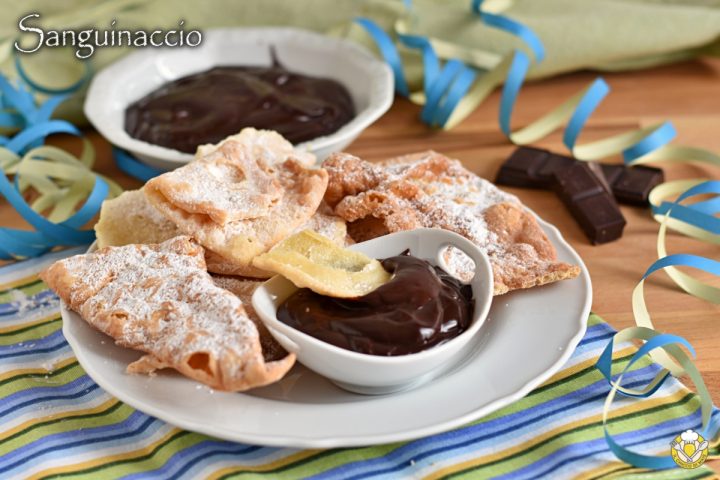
(592, 206)
(612, 172)
(522, 169)
(553, 163)
(634, 184)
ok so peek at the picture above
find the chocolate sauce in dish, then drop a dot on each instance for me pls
(420, 307)
(209, 106)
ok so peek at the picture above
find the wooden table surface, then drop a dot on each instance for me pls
(686, 93)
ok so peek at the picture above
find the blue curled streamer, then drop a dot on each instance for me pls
(62, 233)
(654, 140)
(28, 138)
(684, 260)
(46, 110)
(460, 86)
(9, 120)
(690, 216)
(700, 215)
(511, 26)
(431, 64)
(389, 52)
(514, 81)
(437, 89)
(604, 362)
(444, 87)
(706, 206)
(590, 101)
(34, 124)
(18, 99)
(604, 365)
(133, 167)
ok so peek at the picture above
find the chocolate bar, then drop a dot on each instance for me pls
(589, 202)
(633, 185)
(530, 167)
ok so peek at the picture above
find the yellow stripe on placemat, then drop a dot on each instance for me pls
(622, 470)
(18, 282)
(302, 455)
(40, 371)
(66, 415)
(146, 450)
(603, 470)
(634, 408)
(20, 326)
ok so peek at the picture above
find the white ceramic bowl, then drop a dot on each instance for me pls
(372, 374)
(369, 81)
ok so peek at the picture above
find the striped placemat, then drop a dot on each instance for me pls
(56, 422)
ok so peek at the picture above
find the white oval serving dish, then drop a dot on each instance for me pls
(373, 374)
(369, 81)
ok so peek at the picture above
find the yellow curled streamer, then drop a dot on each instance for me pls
(61, 180)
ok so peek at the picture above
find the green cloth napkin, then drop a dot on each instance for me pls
(578, 34)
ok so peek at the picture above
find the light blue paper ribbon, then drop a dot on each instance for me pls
(444, 87)
(389, 52)
(33, 125)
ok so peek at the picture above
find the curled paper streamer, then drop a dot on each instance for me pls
(669, 344)
(60, 180)
(651, 144)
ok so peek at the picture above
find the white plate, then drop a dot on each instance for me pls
(527, 337)
(369, 81)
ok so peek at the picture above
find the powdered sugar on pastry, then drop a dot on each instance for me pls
(431, 190)
(329, 225)
(232, 246)
(217, 184)
(237, 216)
(160, 299)
(266, 145)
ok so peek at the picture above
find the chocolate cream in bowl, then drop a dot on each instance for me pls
(209, 106)
(421, 306)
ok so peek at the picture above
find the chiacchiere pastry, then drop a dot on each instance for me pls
(430, 190)
(244, 288)
(266, 144)
(129, 218)
(237, 202)
(160, 299)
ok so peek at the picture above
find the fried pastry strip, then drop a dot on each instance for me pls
(160, 299)
(433, 191)
(129, 218)
(238, 205)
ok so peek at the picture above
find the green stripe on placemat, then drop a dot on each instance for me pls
(57, 423)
